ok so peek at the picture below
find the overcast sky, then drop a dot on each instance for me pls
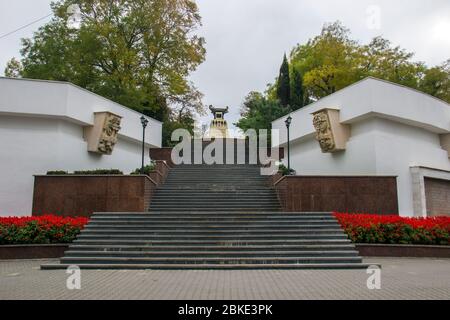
(246, 39)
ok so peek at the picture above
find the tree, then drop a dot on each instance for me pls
(381, 60)
(284, 84)
(332, 61)
(258, 112)
(436, 81)
(327, 62)
(297, 96)
(136, 52)
(13, 68)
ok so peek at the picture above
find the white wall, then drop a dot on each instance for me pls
(393, 128)
(41, 129)
(62, 100)
(371, 97)
(399, 147)
(35, 145)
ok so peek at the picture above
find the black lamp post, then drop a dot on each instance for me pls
(144, 123)
(288, 124)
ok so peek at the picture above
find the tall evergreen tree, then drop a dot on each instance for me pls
(297, 96)
(284, 84)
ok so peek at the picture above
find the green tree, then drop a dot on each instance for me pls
(297, 96)
(284, 84)
(258, 112)
(13, 68)
(136, 52)
(436, 81)
(332, 61)
(327, 62)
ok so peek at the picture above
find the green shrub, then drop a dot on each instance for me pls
(147, 169)
(284, 170)
(56, 172)
(98, 172)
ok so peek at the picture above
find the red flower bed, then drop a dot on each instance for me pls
(370, 228)
(40, 230)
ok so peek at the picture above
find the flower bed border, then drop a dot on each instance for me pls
(32, 251)
(402, 250)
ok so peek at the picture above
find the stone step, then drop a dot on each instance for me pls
(209, 226)
(219, 248)
(209, 254)
(218, 195)
(222, 242)
(307, 266)
(192, 205)
(167, 223)
(209, 260)
(209, 202)
(218, 188)
(215, 215)
(209, 231)
(231, 209)
(218, 237)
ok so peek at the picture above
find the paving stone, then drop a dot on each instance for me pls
(401, 278)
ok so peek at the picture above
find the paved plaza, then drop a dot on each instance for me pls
(401, 278)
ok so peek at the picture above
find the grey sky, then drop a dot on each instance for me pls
(247, 38)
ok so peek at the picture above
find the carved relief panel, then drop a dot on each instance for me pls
(103, 135)
(330, 133)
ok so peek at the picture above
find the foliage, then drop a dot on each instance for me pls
(284, 84)
(86, 172)
(147, 169)
(285, 171)
(138, 53)
(297, 96)
(40, 230)
(258, 112)
(332, 61)
(56, 172)
(367, 228)
(436, 81)
(98, 172)
(13, 68)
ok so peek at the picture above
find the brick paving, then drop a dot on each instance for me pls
(401, 278)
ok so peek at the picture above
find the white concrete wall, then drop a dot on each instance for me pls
(393, 128)
(61, 100)
(371, 97)
(41, 129)
(399, 147)
(35, 145)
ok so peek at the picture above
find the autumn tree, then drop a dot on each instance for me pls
(332, 61)
(136, 52)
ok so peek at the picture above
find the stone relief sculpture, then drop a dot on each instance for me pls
(102, 136)
(324, 133)
(108, 138)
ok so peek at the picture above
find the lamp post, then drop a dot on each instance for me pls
(144, 123)
(288, 124)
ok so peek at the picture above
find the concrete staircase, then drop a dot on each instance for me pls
(202, 188)
(212, 217)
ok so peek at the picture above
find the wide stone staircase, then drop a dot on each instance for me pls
(212, 217)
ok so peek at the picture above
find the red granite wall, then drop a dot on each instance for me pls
(371, 194)
(74, 195)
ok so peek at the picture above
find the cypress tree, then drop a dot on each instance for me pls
(284, 84)
(297, 95)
